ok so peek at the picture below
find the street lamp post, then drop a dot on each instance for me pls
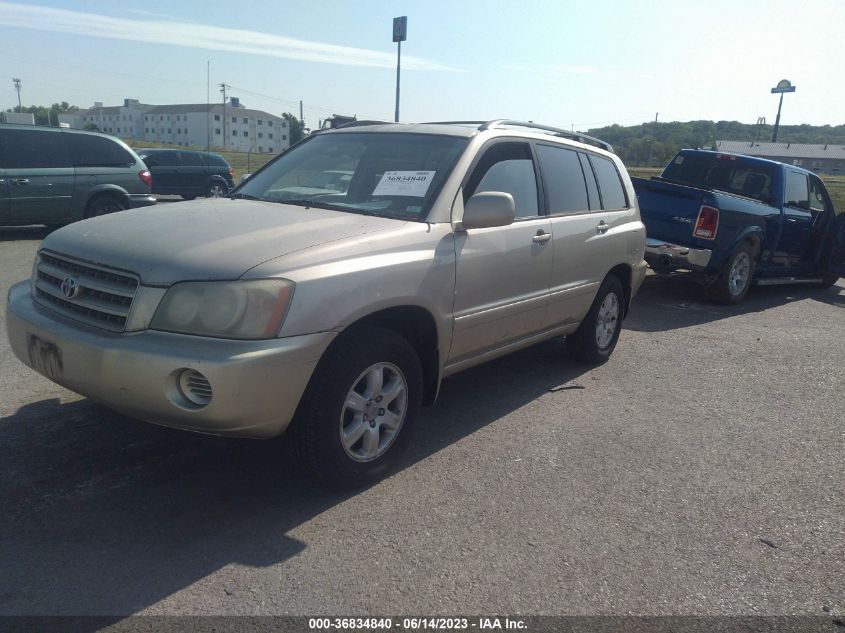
(784, 85)
(400, 34)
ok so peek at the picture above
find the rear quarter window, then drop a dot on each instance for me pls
(97, 151)
(610, 184)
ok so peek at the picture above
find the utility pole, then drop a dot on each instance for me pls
(651, 148)
(400, 34)
(17, 83)
(223, 87)
(301, 121)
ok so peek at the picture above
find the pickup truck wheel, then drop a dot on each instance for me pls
(594, 340)
(356, 417)
(104, 204)
(733, 282)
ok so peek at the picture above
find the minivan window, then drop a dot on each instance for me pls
(191, 159)
(97, 151)
(564, 179)
(394, 175)
(610, 185)
(23, 149)
(507, 167)
(159, 159)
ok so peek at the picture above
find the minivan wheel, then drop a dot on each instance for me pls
(356, 416)
(595, 339)
(734, 280)
(216, 190)
(102, 205)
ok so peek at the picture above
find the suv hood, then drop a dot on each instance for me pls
(211, 239)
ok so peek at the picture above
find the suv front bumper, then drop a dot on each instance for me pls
(256, 385)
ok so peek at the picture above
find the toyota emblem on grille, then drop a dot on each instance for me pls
(70, 287)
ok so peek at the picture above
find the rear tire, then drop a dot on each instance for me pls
(733, 282)
(103, 205)
(595, 339)
(351, 426)
(216, 190)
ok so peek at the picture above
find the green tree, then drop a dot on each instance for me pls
(295, 126)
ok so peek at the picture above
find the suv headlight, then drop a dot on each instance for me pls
(225, 309)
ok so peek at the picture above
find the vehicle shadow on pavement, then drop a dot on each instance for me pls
(14, 233)
(103, 515)
(674, 301)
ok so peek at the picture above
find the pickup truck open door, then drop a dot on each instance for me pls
(835, 256)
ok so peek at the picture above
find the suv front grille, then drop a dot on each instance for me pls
(102, 297)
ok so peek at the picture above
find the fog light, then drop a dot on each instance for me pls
(195, 387)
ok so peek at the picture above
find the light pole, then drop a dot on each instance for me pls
(784, 85)
(400, 34)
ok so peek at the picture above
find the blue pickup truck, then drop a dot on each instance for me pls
(733, 220)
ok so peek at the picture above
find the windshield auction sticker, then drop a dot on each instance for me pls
(404, 183)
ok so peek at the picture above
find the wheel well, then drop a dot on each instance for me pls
(417, 326)
(108, 193)
(755, 241)
(623, 273)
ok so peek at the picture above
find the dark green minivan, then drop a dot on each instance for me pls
(54, 176)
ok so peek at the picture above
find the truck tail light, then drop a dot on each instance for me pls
(146, 177)
(707, 223)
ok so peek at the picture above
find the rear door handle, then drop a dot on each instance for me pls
(541, 237)
(602, 227)
(20, 181)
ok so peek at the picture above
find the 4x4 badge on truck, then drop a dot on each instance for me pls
(70, 287)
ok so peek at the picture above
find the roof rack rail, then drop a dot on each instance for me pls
(361, 122)
(497, 123)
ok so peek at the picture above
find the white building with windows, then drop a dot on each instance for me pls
(222, 127)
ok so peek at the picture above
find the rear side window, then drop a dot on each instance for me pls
(191, 159)
(160, 159)
(23, 149)
(97, 151)
(797, 191)
(507, 167)
(610, 184)
(564, 179)
(214, 159)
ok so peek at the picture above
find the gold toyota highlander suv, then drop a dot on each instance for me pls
(335, 313)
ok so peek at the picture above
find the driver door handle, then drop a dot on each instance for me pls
(20, 181)
(541, 237)
(602, 227)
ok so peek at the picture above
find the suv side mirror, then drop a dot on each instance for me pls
(488, 209)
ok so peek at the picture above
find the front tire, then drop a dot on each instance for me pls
(828, 280)
(733, 282)
(595, 339)
(356, 417)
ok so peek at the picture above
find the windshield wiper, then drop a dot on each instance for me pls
(246, 196)
(317, 204)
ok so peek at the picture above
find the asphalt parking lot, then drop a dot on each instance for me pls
(700, 471)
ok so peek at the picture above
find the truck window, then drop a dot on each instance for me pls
(564, 179)
(610, 185)
(722, 172)
(797, 193)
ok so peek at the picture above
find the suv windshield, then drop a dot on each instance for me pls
(388, 174)
(723, 172)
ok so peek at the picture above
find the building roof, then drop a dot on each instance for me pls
(782, 150)
(183, 108)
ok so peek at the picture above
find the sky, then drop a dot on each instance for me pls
(567, 63)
